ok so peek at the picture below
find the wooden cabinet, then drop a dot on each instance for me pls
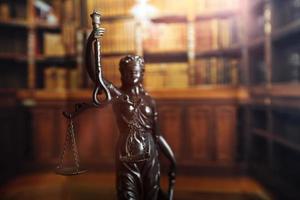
(106, 135)
(14, 140)
(200, 131)
(210, 134)
(199, 138)
(225, 129)
(172, 127)
(49, 128)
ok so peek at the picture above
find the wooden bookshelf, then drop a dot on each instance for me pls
(39, 27)
(273, 108)
(32, 38)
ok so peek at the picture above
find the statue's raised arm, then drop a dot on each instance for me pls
(94, 69)
(93, 64)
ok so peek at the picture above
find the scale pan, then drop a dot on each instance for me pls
(69, 171)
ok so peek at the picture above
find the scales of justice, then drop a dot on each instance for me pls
(139, 141)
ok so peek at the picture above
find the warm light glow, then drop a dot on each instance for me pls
(143, 11)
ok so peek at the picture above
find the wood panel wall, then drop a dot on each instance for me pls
(201, 133)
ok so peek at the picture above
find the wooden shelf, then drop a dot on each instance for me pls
(47, 26)
(170, 19)
(285, 90)
(25, 24)
(67, 58)
(217, 14)
(159, 57)
(116, 17)
(231, 51)
(286, 31)
(17, 23)
(262, 133)
(286, 143)
(14, 57)
(276, 138)
(113, 54)
(203, 92)
(261, 90)
(278, 90)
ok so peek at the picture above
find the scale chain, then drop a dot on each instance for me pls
(65, 148)
(74, 147)
(70, 137)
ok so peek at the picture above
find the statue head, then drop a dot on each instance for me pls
(132, 70)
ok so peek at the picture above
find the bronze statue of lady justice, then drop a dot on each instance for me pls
(140, 141)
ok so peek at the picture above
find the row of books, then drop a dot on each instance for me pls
(111, 73)
(211, 34)
(217, 70)
(169, 7)
(13, 42)
(48, 44)
(158, 75)
(69, 37)
(110, 7)
(212, 6)
(4, 11)
(119, 36)
(197, 7)
(52, 45)
(166, 75)
(164, 7)
(13, 10)
(166, 38)
(216, 34)
(55, 11)
(110, 66)
(60, 79)
(57, 44)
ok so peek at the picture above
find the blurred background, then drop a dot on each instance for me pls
(225, 75)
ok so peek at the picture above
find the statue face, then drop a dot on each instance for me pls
(132, 75)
